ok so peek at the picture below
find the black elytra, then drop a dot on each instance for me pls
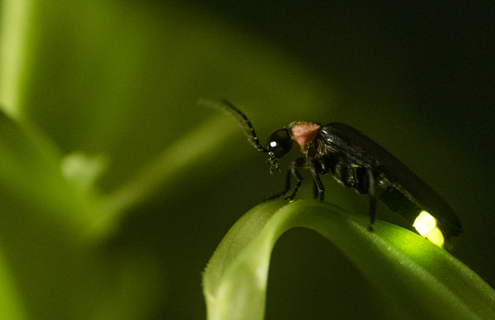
(356, 162)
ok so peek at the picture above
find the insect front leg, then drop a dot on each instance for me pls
(298, 163)
(287, 187)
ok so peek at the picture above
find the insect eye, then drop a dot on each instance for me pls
(279, 142)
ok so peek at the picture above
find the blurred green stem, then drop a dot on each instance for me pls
(14, 53)
(163, 171)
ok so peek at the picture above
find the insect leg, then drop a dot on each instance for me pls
(298, 163)
(299, 179)
(318, 186)
(371, 193)
(287, 187)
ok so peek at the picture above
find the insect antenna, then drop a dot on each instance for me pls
(241, 119)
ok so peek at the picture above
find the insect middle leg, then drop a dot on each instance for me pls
(318, 186)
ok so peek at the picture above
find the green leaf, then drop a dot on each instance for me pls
(418, 279)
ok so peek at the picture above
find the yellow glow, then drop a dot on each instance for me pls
(436, 237)
(426, 225)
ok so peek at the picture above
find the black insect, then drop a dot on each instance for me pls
(357, 162)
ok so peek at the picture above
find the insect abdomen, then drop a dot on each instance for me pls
(399, 203)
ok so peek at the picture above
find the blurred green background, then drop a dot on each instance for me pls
(118, 81)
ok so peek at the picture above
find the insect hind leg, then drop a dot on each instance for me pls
(372, 205)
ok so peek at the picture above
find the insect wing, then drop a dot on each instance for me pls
(362, 151)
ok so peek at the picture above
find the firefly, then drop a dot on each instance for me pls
(356, 162)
